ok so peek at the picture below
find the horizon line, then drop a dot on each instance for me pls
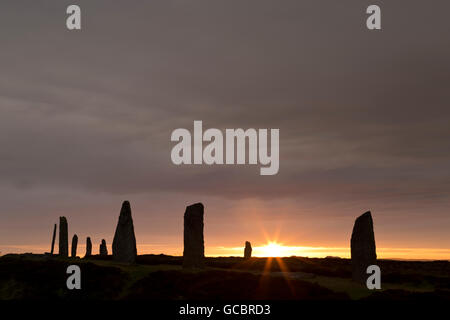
(383, 253)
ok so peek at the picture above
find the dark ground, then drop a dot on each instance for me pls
(160, 277)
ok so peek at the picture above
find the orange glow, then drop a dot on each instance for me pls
(276, 249)
(272, 249)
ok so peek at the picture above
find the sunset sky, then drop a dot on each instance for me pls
(86, 118)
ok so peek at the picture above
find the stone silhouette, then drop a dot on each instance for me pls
(194, 251)
(363, 249)
(88, 247)
(248, 250)
(124, 243)
(74, 246)
(63, 237)
(103, 248)
(53, 240)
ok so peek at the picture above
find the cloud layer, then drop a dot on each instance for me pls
(363, 116)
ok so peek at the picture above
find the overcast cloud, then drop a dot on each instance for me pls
(86, 117)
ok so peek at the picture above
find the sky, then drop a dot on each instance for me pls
(86, 118)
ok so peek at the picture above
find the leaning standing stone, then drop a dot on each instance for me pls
(363, 249)
(194, 251)
(103, 248)
(124, 243)
(248, 250)
(74, 246)
(88, 247)
(63, 237)
(53, 240)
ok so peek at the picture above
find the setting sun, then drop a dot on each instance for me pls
(273, 249)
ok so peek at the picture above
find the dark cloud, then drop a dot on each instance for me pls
(363, 116)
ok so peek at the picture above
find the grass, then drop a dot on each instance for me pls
(162, 277)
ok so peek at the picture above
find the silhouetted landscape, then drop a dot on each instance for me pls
(161, 277)
(124, 275)
(175, 152)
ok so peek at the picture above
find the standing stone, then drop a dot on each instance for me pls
(88, 247)
(124, 243)
(363, 249)
(74, 246)
(194, 250)
(103, 248)
(248, 250)
(63, 237)
(53, 240)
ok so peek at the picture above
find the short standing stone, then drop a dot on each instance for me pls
(103, 248)
(88, 247)
(124, 243)
(248, 250)
(194, 251)
(74, 246)
(363, 249)
(63, 237)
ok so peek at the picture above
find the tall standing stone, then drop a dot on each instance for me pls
(88, 247)
(103, 248)
(124, 243)
(53, 240)
(363, 248)
(74, 246)
(194, 251)
(248, 250)
(63, 237)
